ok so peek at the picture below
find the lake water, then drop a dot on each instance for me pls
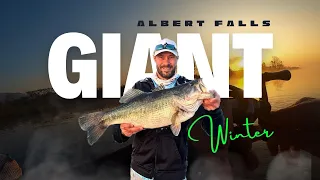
(303, 83)
(63, 142)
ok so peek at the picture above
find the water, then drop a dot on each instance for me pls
(34, 146)
(303, 83)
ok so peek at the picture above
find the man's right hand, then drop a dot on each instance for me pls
(129, 129)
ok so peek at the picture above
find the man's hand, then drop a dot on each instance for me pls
(128, 129)
(212, 103)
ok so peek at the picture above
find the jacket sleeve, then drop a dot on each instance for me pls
(117, 134)
(218, 119)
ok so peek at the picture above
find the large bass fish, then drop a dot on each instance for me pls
(159, 108)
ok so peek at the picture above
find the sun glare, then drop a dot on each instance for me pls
(237, 65)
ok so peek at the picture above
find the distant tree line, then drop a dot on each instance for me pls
(276, 64)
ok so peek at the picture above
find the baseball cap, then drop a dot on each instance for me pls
(165, 45)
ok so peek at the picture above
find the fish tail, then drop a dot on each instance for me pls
(94, 125)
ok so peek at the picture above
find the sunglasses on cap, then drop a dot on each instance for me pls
(165, 46)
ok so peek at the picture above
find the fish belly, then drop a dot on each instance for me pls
(152, 114)
(158, 117)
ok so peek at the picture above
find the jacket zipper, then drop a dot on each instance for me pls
(156, 154)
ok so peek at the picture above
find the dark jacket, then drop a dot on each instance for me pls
(157, 152)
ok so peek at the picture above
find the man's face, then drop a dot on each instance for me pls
(166, 64)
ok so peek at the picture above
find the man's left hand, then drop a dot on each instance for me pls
(212, 103)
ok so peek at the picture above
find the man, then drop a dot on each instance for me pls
(157, 153)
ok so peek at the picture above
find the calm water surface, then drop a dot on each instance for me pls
(303, 83)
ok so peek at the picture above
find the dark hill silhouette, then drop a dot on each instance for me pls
(46, 103)
(5, 97)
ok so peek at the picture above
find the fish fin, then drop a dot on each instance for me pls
(159, 88)
(92, 123)
(90, 119)
(175, 128)
(95, 132)
(130, 94)
(176, 125)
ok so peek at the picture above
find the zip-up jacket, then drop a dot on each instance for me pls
(157, 153)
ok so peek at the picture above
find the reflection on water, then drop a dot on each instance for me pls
(303, 83)
(278, 84)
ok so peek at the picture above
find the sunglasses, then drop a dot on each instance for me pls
(165, 46)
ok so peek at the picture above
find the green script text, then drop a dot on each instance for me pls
(223, 137)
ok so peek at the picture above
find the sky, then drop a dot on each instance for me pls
(28, 29)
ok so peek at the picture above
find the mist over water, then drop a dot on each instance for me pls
(56, 158)
(290, 165)
(59, 151)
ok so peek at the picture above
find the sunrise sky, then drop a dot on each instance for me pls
(28, 30)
